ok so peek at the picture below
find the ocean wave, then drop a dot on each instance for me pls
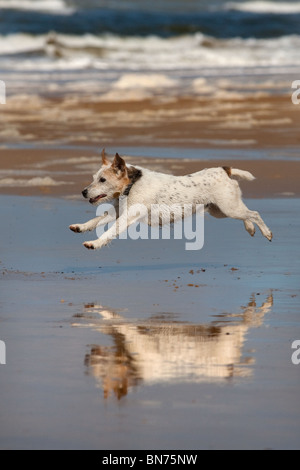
(246, 20)
(53, 6)
(109, 52)
(264, 7)
(61, 7)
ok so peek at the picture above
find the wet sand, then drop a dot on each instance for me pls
(111, 350)
(51, 144)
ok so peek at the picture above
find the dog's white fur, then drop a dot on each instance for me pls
(215, 188)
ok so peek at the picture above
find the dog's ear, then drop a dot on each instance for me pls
(119, 165)
(104, 158)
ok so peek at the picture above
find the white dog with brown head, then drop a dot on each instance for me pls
(215, 188)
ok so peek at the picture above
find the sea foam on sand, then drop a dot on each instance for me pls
(47, 181)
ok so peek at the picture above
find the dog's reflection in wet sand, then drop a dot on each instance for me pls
(161, 350)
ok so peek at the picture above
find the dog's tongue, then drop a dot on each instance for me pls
(95, 199)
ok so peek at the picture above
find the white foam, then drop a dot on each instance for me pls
(130, 69)
(47, 181)
(158, 56)
(125, 95)
(200, 85)
(265, 7)
(54, 6)
(149, 81)
(18, 43)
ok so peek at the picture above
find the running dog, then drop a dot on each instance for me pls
(215, 188)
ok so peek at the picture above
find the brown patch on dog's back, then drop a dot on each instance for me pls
(228, 170)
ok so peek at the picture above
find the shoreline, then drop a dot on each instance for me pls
(68, 132)
(64, 173)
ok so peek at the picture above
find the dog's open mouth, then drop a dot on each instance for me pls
(96, 199)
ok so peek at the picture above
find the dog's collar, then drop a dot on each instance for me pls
(134, 175)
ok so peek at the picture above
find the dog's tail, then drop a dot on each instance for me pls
(239, 174)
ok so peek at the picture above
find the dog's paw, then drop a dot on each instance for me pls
(95, 245)
(75, 228)
(90, 245)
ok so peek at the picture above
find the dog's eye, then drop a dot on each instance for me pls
(102, 180)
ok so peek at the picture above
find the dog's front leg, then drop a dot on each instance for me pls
(119, 227)
(91, 225)
(87, 227)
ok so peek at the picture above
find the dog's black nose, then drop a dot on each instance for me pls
(85, 193)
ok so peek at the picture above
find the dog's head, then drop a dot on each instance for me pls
(109, 183)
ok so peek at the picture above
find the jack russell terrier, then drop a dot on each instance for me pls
(214, 188)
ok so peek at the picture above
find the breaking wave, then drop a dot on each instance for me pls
(265, 7)
(49, 6)
(110, 52)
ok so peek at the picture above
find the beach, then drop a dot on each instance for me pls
(114, 351)
(145, 345)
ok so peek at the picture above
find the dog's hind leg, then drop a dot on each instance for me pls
(249, 226)
(232, 206)
(255, 217)
(214, 211)
(242, 212)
